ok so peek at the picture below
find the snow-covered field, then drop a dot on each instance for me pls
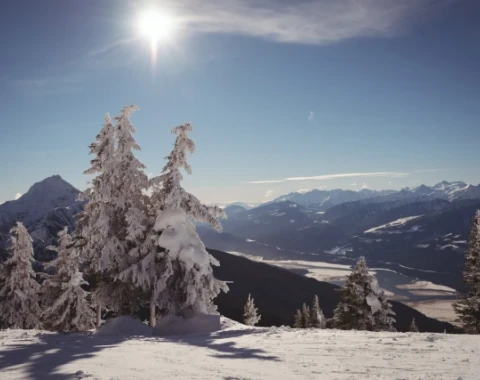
(395, 223)
(438, 309)
(426, 285)
(239, 353)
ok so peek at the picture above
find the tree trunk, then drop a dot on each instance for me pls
(99, 316)
(153, 318)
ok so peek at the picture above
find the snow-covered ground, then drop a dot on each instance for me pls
(426, 285)
(395, 223)
(240, 352)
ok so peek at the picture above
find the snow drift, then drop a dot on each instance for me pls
(124, 326)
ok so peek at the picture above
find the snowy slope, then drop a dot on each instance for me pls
(238, 353)
(395, 223)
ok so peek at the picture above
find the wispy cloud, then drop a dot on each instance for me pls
(334, 176)
(364, 186)
(49, 86)
(268, 193)
(112, 46)
(302, 21)
(311, 116)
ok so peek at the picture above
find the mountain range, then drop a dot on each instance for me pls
(421, 232)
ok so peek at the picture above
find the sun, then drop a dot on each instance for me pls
(156, 26)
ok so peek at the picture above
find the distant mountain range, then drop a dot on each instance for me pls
(325, 199)
(420, 231)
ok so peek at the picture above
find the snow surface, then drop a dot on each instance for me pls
(240, 352)
(124, 326)
(426, 285)
(395, 223)
(438, 309)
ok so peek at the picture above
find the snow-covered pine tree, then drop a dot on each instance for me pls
(250, 315)
(19, 292)
(467, 305)
(95, 240)
(306, 322)
(173, 266)
(108, 230)
(383, 315)
(192, 286)
(317, 319)
(130, 180)
(298, 321)
(413, 326)
(323, 320)
(363, 305)
(353, 312)
(65, 306)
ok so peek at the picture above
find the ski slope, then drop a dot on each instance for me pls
(239, 352)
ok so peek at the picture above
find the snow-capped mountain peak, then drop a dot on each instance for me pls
(53, 193)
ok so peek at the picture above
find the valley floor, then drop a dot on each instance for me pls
(239, 353)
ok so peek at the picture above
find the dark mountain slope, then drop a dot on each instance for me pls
(278, 293)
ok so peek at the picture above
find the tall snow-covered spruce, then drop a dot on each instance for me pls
(65, 306)
(250, 313)
(363, 304)
(130, 181)
(468, 305)
(173, 266)
(111, 226)
(19, 290)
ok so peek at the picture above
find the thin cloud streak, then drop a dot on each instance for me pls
(49, 86)
(334, 176)
(109, 47)
(316, 22)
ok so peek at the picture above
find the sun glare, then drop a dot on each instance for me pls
(155, 25)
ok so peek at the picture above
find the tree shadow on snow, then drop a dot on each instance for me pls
(223, 350)
(41, 357)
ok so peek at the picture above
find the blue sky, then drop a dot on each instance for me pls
(385, 93)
